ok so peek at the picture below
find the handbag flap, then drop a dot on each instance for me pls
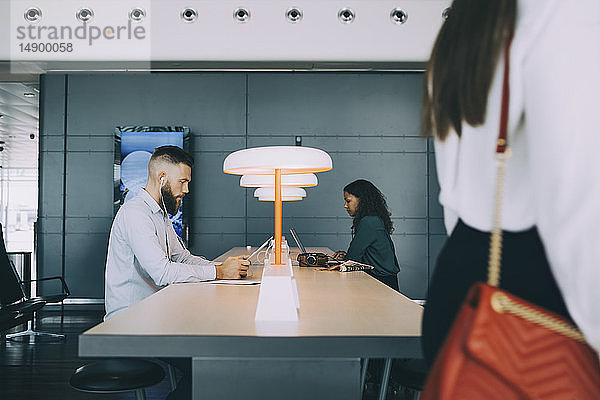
(534, 360)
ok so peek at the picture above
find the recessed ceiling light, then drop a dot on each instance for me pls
(33, 14)
(1, 116)
(137, 14)
(85, 14)
(29, 94)
(189, 15)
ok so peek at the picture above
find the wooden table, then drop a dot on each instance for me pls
(343, 317)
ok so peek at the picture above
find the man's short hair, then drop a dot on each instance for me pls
(173, 155)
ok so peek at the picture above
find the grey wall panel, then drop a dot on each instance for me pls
(49, 255)
(334, 103)
(52, 108)
(217, 143)
(84, 263)
(89, 183)
(91, 225)
(214, 192)
(211, 245)
(52, 142)
(90, 143)
(49, 262)
(48, 225)
(213, 225)
(51, 184)
(412, 252)
(210, 102)
(349, 143)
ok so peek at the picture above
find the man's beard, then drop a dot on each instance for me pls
(170, 201)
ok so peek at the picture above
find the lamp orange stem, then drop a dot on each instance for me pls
(278, 216)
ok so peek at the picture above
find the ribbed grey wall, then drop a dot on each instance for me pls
(367, 122)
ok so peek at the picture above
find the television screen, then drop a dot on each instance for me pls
(133, 147)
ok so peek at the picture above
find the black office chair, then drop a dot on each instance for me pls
(10, 318)
(117, 375)
(13, 296)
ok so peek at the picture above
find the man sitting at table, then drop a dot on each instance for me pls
(144, 252)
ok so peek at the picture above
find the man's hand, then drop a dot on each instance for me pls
(233, 268)
(339, 255)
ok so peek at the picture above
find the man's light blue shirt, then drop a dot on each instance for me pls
(145, 254)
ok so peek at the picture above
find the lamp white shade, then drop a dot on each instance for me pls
(288, 159)
(295, 180)
(283, 198)
(285, 192)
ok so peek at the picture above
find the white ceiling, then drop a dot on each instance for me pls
(20, 119)
(216, 40)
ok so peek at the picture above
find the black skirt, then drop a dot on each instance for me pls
(525, 272)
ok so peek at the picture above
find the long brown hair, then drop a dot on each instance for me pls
(462, 64)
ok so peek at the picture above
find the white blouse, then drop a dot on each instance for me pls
(553, 179)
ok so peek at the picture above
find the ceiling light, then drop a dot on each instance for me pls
(346, 15)
(189, 15)
(33, 14)
(29, 94)
(137, 14)
(85, 14)
(241, 15)
(1, 116)
(294, 15)
(398, 16)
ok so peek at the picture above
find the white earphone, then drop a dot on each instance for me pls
(162, 181)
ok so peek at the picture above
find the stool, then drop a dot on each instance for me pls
(117, 375)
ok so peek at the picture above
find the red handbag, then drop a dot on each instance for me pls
(503, 347)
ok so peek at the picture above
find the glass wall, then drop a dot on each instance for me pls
(19, 204)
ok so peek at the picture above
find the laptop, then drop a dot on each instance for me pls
(297, 240)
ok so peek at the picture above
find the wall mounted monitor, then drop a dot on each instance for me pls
(133, 147)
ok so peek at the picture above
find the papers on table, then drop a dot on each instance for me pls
(236, 282)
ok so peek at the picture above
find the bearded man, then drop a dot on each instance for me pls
(144, 252)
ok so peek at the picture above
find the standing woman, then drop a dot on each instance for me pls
(371, 228)
(551, 202)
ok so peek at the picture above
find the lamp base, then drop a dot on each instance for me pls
(278, 297)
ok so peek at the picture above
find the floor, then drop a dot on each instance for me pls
(42, 370)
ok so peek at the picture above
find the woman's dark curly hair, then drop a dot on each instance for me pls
(370, 202)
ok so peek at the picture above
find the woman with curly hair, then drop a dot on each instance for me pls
(371, 228)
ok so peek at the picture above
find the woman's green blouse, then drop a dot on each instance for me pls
(372, 245)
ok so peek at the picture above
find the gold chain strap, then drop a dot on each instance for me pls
(502, 303)
(496, 238)
(499, 301)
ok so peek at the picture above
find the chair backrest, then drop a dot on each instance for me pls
(11, 288)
